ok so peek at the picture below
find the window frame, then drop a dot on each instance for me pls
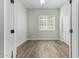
(47, 22)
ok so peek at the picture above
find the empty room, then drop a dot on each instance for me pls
(42, 28)
(39, 29)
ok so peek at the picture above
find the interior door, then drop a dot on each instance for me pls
(10, 37)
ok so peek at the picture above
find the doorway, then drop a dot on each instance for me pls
(41, 24)
(39, 32)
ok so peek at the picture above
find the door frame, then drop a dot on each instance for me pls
(71, 55)
(73, 46)
(8, 7)
(75, 27)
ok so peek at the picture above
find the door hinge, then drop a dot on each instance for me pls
(70, 1)
(71, 31)
(12, 1)
(12, 31)
(12, 54)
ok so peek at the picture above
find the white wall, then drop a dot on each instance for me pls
(1, 28)
(33, 24)
(21, 22)
(65, 22)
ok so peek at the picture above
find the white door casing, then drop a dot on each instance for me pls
(9, 46)
(75, 19)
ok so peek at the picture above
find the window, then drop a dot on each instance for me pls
(47, 23)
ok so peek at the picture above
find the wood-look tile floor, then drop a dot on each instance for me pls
(43, 49)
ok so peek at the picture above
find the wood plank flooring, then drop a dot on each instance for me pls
(43, 49)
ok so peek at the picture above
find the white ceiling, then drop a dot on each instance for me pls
(48, 3)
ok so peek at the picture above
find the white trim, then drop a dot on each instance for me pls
(4, 28)
(44, 39)
(63, 40)
(75, 39)
(21, 42)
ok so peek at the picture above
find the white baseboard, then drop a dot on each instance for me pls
(64, 41)
(21, 42)
(43, 39)
(67, 43)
